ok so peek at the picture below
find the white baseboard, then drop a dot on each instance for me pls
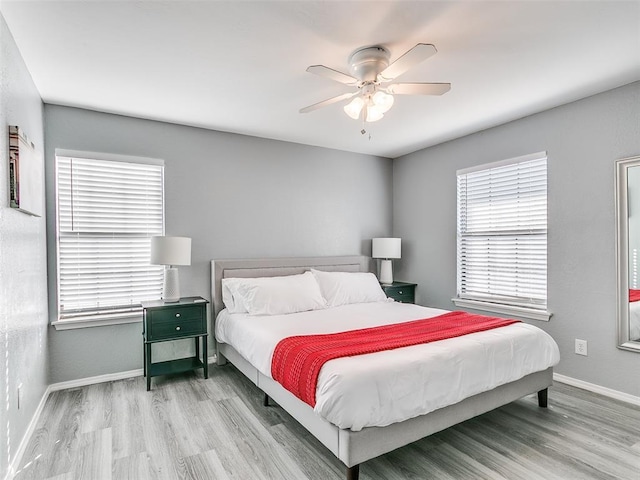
(591, 387)
(108, 377)
(54, 387)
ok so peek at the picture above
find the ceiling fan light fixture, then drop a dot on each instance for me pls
(370, 70)
(382, 101)
(354, 107)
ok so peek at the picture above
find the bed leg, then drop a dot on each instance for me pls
(543, 397)
(265, 402)
(353, 473)
(220, 360)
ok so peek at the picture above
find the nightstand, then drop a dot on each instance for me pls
(163, 322)
(401, 291)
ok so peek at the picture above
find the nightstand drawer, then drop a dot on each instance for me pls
(175, 327)
(177, 314)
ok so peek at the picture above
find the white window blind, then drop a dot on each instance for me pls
(107, 212)
(502, 232)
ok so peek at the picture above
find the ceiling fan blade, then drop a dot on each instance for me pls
(419, 88)
(332, 74)
(329, 101)
(412, 57)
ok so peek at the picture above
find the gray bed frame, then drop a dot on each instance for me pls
(354, 448)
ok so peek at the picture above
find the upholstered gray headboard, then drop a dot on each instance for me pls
(274, 267)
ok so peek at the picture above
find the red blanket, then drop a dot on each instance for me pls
(634, 295)
(297, 360)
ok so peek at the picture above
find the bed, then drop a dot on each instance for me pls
(355, 440)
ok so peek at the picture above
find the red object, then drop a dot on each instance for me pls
(634, 295)
(297, 360)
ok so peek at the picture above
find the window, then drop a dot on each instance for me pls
(502, 236)
(107, 212)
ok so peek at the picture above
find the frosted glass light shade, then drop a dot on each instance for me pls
(383, 101)
(354, 107)
(374, 113)
(386, 248)
(170, 250)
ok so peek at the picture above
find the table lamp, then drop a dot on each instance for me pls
(171, 251)
(386, 249)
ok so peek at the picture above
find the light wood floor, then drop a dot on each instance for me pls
(191, 428)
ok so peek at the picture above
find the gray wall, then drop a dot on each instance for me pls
(236, 196)
(583, 139)
(23, 274)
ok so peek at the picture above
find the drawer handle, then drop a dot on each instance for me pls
(400, 292)
(177, 315)
(178, 328)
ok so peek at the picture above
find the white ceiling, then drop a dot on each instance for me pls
(239, 66)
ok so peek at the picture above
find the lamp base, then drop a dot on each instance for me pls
(171, 286)
(386, 272)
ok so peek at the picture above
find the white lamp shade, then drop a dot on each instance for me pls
(170, 250)
(386, 248)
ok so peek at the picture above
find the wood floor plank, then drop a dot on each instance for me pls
(405, 465)
(131, 467)
(297, 443)
(234, 463)
(94, 457)
(257, 446)
(453, 457)
(62, 476)
(189, 428)
(126, 419)
(206, 465)
(160, 443)
(96, 411)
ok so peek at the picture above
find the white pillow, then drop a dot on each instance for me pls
(281, 295)
(343, 288)
(231, 297)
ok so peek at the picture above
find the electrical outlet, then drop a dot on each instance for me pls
(19, 395)
(581, 347)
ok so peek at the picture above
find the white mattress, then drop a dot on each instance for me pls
(382, 388)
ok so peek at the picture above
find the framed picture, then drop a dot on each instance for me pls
(25, 173)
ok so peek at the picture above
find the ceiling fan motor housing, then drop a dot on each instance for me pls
(366, 63)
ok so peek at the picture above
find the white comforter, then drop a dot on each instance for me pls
(386, 387)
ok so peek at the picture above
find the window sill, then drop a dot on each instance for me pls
(95, 322)
(523, 312)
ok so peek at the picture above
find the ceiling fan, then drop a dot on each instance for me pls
(370, 70)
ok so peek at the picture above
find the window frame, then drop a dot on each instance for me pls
(111, 315)
(531, 310)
